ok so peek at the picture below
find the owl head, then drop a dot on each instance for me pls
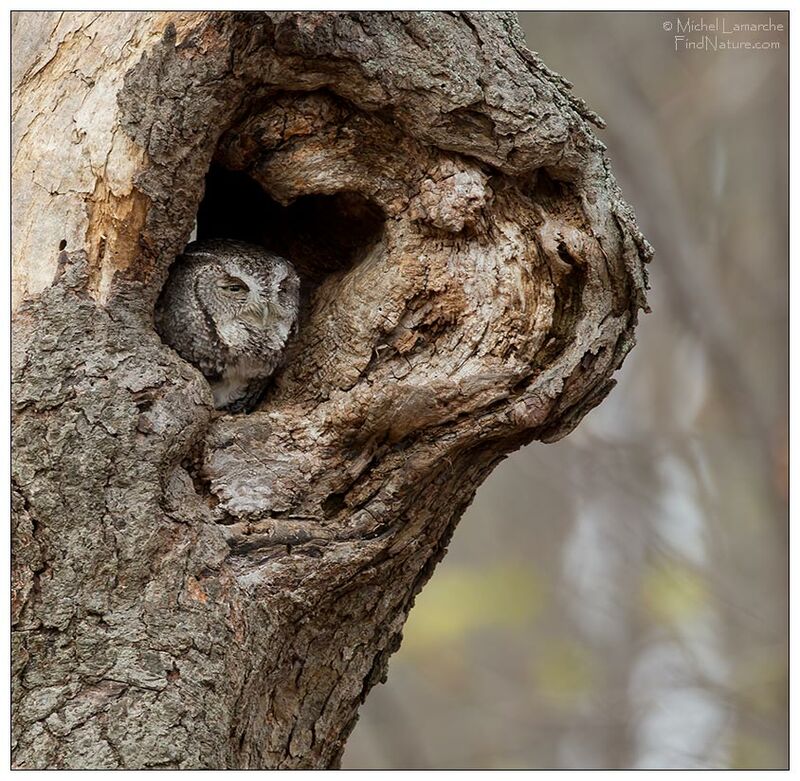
(249, 294)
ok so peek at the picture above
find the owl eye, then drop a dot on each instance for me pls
(233, 286)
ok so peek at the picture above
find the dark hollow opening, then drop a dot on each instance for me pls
(319, 234)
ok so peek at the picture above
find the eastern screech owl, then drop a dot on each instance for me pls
(228, 308)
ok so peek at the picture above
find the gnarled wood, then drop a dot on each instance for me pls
(202, 590)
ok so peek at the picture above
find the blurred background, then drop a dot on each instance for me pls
(619, 599)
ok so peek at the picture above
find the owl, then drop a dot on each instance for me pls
(228, 308)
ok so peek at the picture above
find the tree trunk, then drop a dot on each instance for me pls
(194, 589)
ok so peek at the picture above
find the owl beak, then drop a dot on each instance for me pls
(256, 314)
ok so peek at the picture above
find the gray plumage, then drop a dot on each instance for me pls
(228, 308)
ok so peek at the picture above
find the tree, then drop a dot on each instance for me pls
(192, 589)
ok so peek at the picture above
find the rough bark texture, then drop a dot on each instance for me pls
(202, 590)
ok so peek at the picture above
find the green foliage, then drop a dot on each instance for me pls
(563, 673)
(672, 593)
(460, 601)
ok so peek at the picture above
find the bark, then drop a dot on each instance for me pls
(192, 589)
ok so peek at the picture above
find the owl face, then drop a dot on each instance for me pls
(249, 295)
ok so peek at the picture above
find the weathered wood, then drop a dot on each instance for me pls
(202, 590)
